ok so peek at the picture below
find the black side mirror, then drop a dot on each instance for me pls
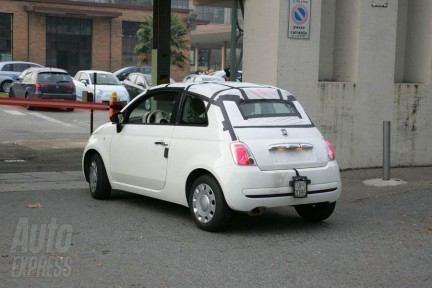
(117, 118)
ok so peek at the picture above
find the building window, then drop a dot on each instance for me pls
(212, 14)
(68, 43)
(5, 37)
(129, 41)
(181, 4)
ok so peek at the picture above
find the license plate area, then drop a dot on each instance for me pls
(300, 186)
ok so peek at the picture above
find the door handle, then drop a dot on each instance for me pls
(161, 143)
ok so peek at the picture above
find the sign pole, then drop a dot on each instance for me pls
(94, 95)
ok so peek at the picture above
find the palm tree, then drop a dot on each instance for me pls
(144, 46)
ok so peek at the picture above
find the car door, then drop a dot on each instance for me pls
(139, 153)
(19, 86)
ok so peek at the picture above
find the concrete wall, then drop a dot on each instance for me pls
(361, 66)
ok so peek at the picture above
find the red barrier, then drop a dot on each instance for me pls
(51, 103)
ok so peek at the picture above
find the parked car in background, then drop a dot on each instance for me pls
(222, 74)
(216, 147)
(44, 83)
(106, 84)
(202, 78)
(122, 73)
(137, 83)
(9, 71)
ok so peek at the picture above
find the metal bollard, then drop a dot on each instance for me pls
(386, 150)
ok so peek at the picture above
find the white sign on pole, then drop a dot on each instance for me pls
(299, 19)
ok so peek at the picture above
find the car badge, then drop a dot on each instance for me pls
(284, 132)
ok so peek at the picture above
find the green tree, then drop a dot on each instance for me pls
(178, 43)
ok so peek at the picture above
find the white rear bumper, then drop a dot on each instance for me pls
(246, 188)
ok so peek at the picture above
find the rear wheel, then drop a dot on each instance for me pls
(207, 204)
(315, 212)
(99, 185)
(28, 107)
(6, 86)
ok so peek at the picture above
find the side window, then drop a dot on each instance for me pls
(131, 78)
(27, 76)
(156, 109)
(140, 80)
(19, 67)
(84, 76)
(8, 67)
(193, 111)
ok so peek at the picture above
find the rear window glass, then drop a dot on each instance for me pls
(267, 109)
(105, 79)
(53, 77)
(265, 113)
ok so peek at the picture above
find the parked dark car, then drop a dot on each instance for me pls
(137, 83)
(9, 71)
(122, 73)
(44, 83)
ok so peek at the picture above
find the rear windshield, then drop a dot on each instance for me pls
(263, 108)
(53, 77)
(266, 113)
(105, 79)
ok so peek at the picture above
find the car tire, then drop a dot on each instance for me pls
(99, 185)
(28, 107)
(6, 86)
(207, 204)
(315, 212)
(70, 109)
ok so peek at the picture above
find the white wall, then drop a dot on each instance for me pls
(260, 44)
(362, 54)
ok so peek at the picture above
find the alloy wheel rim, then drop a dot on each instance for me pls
(6, 87)
(93, 176)
(204, 203)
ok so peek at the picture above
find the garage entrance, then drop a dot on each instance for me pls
(68, 42)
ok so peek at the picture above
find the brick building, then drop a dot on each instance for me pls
(75, 35)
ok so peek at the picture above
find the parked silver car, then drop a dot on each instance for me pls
(10, 70)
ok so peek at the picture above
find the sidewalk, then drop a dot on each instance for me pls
(355, 184)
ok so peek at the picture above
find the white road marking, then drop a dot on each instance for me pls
(50, 119)
(14, 112)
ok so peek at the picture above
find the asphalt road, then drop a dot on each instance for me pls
(44, 139)
(377, 237)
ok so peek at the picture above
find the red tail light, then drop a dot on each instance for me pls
(39, 85)
(241, 154)
(331, 155)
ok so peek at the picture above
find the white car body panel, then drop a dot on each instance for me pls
(143, 164)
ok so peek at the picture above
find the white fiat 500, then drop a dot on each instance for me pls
(215, 148)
